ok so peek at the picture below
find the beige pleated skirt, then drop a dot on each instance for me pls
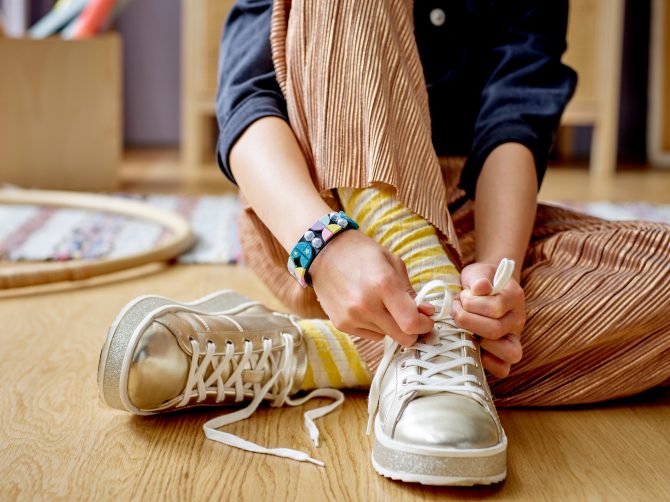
(597, 292)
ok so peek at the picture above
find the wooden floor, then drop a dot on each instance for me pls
(59, 442)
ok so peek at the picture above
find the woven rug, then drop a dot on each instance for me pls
(42, 233)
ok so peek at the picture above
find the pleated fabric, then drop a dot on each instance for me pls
(597, 305)
(597, 292)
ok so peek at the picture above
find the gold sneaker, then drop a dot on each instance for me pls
(434, 418)
(224, 349)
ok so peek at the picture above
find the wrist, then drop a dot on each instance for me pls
(505, 205)
(314, 240)
(329, 256)
(298, 221)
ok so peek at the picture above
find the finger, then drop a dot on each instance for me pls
(367, 334)
(481, 287)
(399, 301)
(507, 349)
(387, 324)
(493, 307)
(495, 366)
(427, 308)
(485, 326)
(406, 314)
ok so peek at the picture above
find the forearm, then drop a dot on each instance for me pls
(505, 205)
(272, 173)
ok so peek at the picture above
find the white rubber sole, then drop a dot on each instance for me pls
(438, 466)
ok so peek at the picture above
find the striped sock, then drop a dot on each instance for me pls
(342, 361)
(404, 233)
(333, 360)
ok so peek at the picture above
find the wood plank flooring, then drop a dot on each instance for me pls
(59, 442)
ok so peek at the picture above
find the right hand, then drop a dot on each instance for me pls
(365, 290)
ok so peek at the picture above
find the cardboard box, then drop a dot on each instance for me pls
(60, 113)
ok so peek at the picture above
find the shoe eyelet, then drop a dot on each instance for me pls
(403, 365)
(403, 382)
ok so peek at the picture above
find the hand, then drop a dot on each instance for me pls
(498, 319)
(365, 290)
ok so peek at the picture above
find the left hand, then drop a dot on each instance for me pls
(498, 319)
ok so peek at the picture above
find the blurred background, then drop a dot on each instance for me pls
(613, 145)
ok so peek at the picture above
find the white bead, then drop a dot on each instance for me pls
(342, 222)
(309, 235)
(317, 243)
(334, 217)
(437, 17)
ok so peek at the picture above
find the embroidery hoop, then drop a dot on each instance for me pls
(32, 274)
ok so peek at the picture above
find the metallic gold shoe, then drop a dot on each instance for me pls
(434, 418)
(224, 349)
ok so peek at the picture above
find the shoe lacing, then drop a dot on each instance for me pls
(442, 362)
(276, 361)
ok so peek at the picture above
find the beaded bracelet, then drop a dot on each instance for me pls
(313, 241)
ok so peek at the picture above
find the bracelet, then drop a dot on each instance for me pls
(313, 241)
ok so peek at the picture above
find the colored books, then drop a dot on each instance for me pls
(77, 19)
(91, 20)
(57, 17)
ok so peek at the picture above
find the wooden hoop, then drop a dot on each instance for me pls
(21, 275)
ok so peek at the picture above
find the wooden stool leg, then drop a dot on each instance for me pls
(605, 131)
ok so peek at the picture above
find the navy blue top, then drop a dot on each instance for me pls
(492, 70)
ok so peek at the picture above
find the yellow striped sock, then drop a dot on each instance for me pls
(404, 233)
(333, 360)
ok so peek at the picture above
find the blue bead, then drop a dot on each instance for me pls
(305, 252)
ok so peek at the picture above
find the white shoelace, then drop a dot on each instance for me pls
(447, 375)
(276, 389)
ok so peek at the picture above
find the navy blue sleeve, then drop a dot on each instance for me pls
(248, 89)
(526, 86)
